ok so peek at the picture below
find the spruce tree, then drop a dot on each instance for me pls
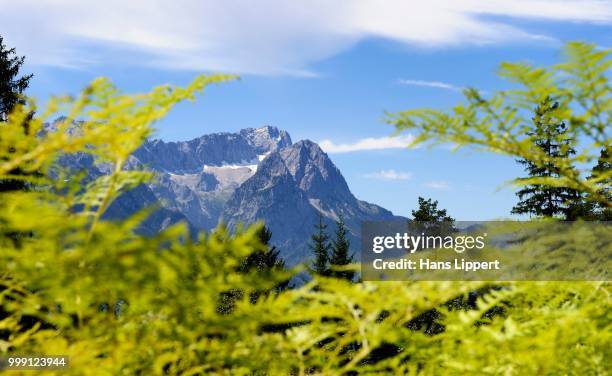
(11, 85)
(604, 164)
(261, 261)
(549, 134)
(320, 247)
(428, 212)
(11, 94)
(266, 259)
(430, 220)
(341, 251)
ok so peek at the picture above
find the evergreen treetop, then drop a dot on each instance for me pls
(431, 220)
(11, 94)
(549, 134)
(340, 255)
(320, 247)
(265, 259)
(428, 212)
(598, 173)
(11, 85)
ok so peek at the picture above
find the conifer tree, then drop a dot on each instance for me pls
(604, 164)
(11, 94)
(261, 261)
(11, 85)
(266, 259)
(320, 247)
(549, 134)
(428, 212)
(341, 251)
(431, 220)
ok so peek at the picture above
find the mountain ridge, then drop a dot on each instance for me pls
(243, 177)
(289, 190)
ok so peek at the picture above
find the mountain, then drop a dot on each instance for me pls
(129, 202)
(197, 177)
(289, 189)
(245, 148)
(254, 174)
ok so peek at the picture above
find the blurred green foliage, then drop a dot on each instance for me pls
(118, 303)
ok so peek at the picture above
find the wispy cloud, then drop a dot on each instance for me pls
(388, 175)
(370, 143)
(434, 84)
(438, 185)
(268, 36)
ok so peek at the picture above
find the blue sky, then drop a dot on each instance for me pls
(326, 71)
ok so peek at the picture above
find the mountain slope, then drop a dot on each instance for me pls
(197, 177)
(289, 190)
(241, 178)
(130, 202)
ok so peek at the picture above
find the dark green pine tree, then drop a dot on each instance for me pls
(11, 94)
(428, 212)
(320, 247)
(263, 260)
(11, 85)
(601, 211)
(590, 209)
(549, 134)
(430, 220)
(340, 255)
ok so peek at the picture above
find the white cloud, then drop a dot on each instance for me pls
(434, 84)
(265, 36)
(438, 185)
(370, 143)
(388, 175)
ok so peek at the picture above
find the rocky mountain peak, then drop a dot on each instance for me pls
(301, 154)
(314, 172)
(288, 191)
(267, 138)
(247, 147)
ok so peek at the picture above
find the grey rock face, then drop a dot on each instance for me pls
(138, 199)
(216, 149)
(197, 177)
(289, 190)
(254, 175)
(130, 202)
